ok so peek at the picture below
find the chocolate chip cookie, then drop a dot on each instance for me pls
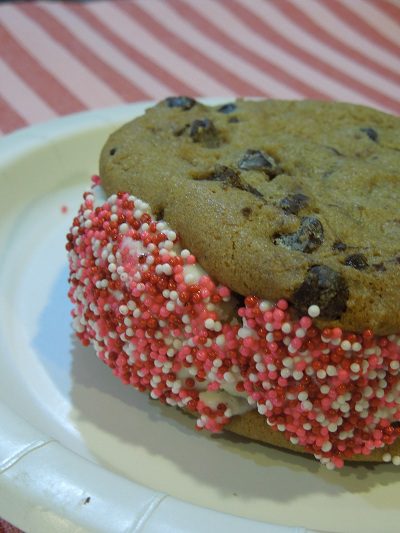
(279, 199)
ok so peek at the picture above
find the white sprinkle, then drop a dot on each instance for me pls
(386, 458)
(288, 362)
(123, 228)
(286, 327)
(209, 323)
(396, 460)
(298, 374)
(220, 340)
(331, 370)
(313, 311)
(306, 406)
(345, 345)
(265, 305)
(321, 374)
(167, 269)
(327, 446)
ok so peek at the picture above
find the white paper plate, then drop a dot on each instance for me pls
(81, 452)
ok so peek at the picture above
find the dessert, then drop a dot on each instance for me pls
(245, 268)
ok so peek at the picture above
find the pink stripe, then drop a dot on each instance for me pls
(351, 39)
(371, 21)
(181, 47)
(131, 31)
(21, 98)
(10, 119)
(301, 19)
(80, 81)
(145, 64)
(392, 9)
(115, 68)
(36, 77)
(264, 44)
(171, 16)
(291, 35)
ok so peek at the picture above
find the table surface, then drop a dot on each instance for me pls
(59, 58)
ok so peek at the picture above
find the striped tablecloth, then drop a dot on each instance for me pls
(62, 57)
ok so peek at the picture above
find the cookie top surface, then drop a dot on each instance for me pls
(280, 199)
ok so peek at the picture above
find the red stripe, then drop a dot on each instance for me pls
(361, 26)
(290, 10)
(10, 119)
(264, 29)
(300, 18)
(180, 46)
(38, 78)
(131, 52)
(390, 9)
(259, 61)
(63, 36)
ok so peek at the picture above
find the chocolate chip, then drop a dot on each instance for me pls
(222, 173)
(371, 133)
(339, 246)
(293, 203)
(204, 131)
(357, 261)
(257, 160)
(379, 267)
(306, 239)
(159, 213)
(230, 178)
(395, 424)
(113, 151)
(227, 108)
(334, 150)
(184, 102)
(239, 299)
(246, 212)
(323, 287)
(180, 131)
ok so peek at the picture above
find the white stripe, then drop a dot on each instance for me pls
(339, 29)
(234, 28)
(56, 59)
(21, 98)
(133, 33)
(306, 41)
(376, 18)
(217, 53)
(107, 52)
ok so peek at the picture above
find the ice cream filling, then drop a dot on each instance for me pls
(162, 325)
